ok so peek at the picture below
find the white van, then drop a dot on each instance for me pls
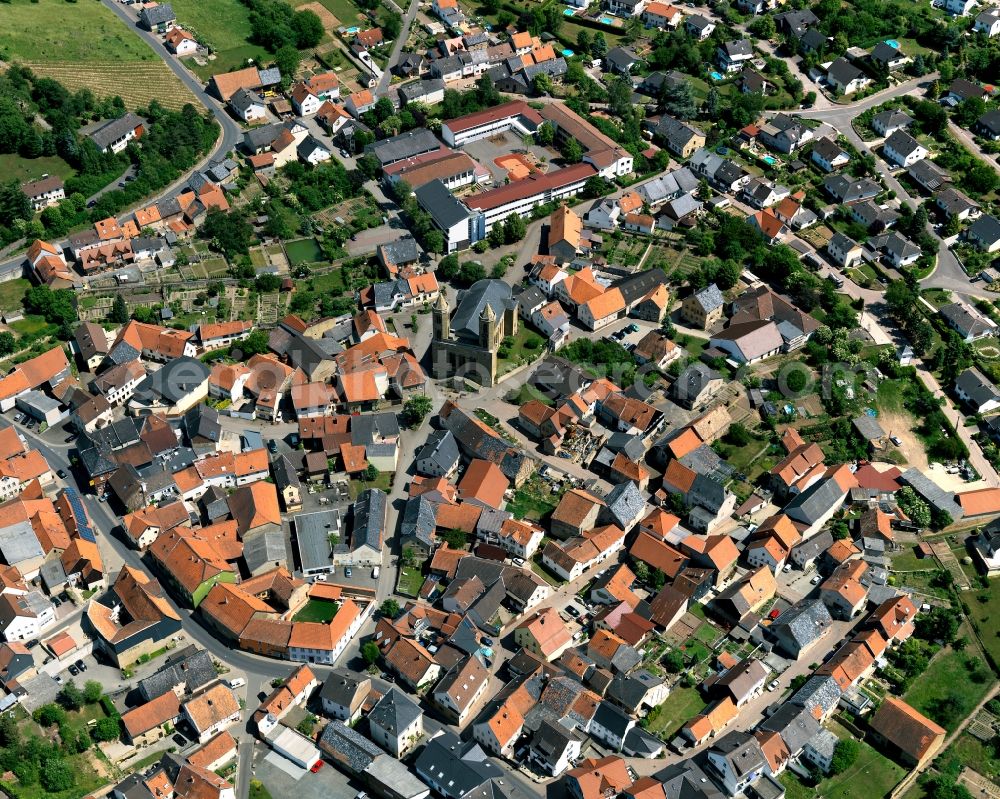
(236, 682)
(375, 573)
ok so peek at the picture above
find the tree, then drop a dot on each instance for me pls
(308, 28)
(738, 435)
(287, 59)
(514, 229)
(583, 42)
(713, 104)
(572, 151)
(641, 570)
(58, 307)
(56, 775)
(119, 310)
(389, 609)
(456, 539)
(254, 344)
(230, 233)
(544, 135)
(673, 662)
(599, 46)
(940, 624)
(49, 715)
(415, 409)
(267, 283)
(10, 736)
(370, 652)
(370, 473)
(844, 754)
(70, 697)
(913, 506)
(106, 729)
(92, 692)
(678, 100)
(542, 84)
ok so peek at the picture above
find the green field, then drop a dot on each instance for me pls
(945, 692)
(221, 24)
(53, 30)
(985, 617)
(343, 10)
(321, 610)
(533, 500)
(410, 580)
(12, 292)
(871, 776)
(14, 167)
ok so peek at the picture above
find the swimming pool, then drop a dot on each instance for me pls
(769, 159)
(715, 75)
(892, 43)
(353, 29)
(607, 20)
(568, 53)
(569, 12)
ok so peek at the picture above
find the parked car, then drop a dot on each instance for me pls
(272, 446)
(816, 579)
(772, 686)
(896, 440)
(32, 643)
(316, 766)
(73, 670)
(487, 641)
(518, 561)
(61, 473)
(573, 611)
(68, 439)
(347, 571)
(236, 682)
(81, 665)
(179, 739)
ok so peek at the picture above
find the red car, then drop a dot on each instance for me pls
(316, 766)
(774, 614)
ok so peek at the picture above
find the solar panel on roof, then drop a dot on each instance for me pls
(82, 523)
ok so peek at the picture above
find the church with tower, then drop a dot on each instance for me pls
(466, 342)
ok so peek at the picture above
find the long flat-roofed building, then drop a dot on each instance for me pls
(516, 115)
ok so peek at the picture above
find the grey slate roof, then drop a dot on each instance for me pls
(348, 747)
(804, 621)
(284, 473)
(440, 448)
(369, 518)
(932, 492)
(818, 691)
(401, 251)
(709, 298)
(457, 767)
(441, 204)
(394, 712)
(265, 547)
(194, 669)
(472, 301)
(419, 521)
(243, 98)
(623, 502)
(809, 506)
(416, 90)
(405, 145)
(341, 686)
(977, 387)
(115, 129)
(312, 535)
(794, 723)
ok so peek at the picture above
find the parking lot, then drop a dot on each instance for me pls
(284, 778)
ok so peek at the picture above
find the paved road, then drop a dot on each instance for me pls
(397, 48)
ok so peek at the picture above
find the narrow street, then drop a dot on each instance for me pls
(397, 48)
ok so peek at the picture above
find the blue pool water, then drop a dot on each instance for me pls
(569, 12)
(892, 43)
(769, 159)
(567, 53)
(607, 20)
(715, 75)
(353, 29)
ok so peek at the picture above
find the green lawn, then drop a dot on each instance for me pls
(31, 325)
(14, 167)
(681, 705)
(12, 292)
(526, 346)
(410, 580)
(985, 616)
(321, 610)
(221, 24)
(383, 481)
(228, 60)
(945, 692)
(976, 755)
(533, 500)
(872, 776)
(329, 282)
(906, 560)
(52, 30)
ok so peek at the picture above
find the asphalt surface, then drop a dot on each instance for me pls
(404, 34)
